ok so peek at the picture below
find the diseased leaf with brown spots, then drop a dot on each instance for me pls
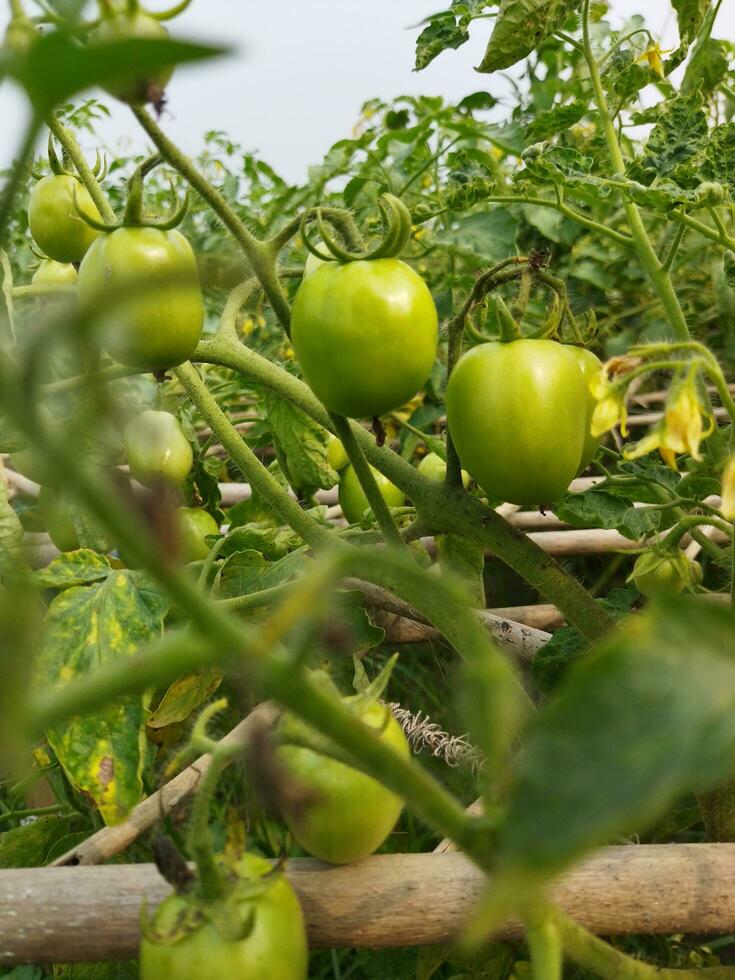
(86, 628)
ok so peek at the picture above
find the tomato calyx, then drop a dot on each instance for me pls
(396, 222)
(233, 915)
(134, 216)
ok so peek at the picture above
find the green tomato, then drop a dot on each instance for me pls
(137, 26)
(590, 365)
(55, 224)
(274, 948)
(352, 814)
(433, 467)
(313, 262)
(30, 464)
(60, 526)
(336, 455)
(515, 412)
(52, 273)
(145, 281)
(365, 334)
(157, 449)
(194, 525)
(352, 498)
(667, 577)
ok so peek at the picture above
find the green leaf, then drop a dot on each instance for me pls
(300, 443)
(351, 612)
(73, 568)
(11, 534)
(28, 846)
(184, 696)
(707, 67)
(555, 120)
(719, 156)
(85, 629)
(24, 973)
(566, 646)
(624, 76)
(271, 542)
(247, 572)
(489, 235)
(447, 30)
(677, 136)
(97, 971)
(647, 718)
(600, 508)
(56, 67)
(690, 15)
(593, 273)
(520, 27)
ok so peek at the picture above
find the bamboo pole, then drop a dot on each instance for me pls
(67, 915)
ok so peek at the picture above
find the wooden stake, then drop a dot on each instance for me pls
(67, 915)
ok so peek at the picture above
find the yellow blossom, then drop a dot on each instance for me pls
(609, 412)
(652, 55)
(728, 490)
(683, 421)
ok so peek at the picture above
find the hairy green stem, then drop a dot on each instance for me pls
(260, 255)
(641, 242)
(365, 475)
(262, 482)
(70, 145)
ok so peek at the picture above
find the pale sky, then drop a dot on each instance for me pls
(301, 70)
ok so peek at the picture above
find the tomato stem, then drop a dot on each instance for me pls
(364, 474)
(313, 533)
(658, 275)
(69, 143)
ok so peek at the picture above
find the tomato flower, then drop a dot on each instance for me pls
(683, 420)
(681, 429)
(652, 55)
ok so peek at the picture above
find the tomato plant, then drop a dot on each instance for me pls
(352, 497)
(290, 329)
(157, 449)
(350, 814)
(517, 414)
(365, 335)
